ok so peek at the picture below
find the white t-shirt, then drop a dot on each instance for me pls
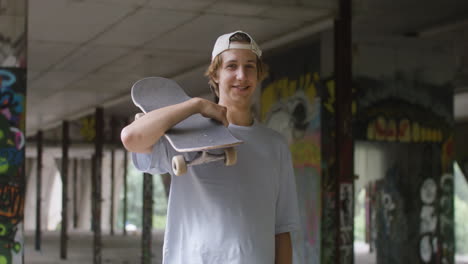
(228, 215)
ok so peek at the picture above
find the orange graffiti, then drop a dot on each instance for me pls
(382, 129)
(305, 153)
(11, 203)
(447, 154)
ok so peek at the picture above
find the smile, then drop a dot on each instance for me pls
(241, 87)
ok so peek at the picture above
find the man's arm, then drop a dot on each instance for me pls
(283, 249)
(144, 132)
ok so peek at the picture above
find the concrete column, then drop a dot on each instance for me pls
(12, 127)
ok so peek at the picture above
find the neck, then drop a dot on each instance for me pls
(240, 116)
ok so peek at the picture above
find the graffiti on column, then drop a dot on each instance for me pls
(12, 42)
(428, 242)
(329, 171)
(446, 218)
(346, 222)
(12, 189)
(87, 128)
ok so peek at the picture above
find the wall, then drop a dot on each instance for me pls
(404, 110)
(290, 104)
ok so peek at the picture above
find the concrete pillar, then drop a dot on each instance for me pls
(12, 127)
(84, 189)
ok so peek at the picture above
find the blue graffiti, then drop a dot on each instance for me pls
(11, 156)
(9, 80)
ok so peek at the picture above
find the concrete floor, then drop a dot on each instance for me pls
(121, 249)
(117, 249)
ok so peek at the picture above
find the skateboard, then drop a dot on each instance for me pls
(194, 134)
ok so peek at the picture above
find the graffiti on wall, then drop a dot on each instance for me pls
(406, 110)
(12, 141)
(396, 110)
(292, 107)
(290, 104)
(12, 42)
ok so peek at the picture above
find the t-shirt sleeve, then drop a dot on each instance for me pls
(287, 212)
(156, 162)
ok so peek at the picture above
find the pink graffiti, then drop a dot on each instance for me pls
(6, 112)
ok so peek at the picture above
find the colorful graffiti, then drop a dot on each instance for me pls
(405, 110)
(346, 222)
(329, 175)
(446, 219)
(87, 128)
(428, 242)
(292, 107)
(12, 141)
(290, 104)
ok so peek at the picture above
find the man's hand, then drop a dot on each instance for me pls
(211, 110)
(283, 249)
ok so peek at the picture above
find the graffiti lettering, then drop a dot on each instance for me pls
(11, 203)
(382, 129)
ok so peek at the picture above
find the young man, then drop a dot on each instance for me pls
(242, 214)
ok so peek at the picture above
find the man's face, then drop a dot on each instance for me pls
(237, 77)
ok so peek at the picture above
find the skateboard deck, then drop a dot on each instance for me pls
(194, 134)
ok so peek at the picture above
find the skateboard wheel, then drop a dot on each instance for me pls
(179, 166)
(230, 155)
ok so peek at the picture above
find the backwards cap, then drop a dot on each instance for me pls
(223, 43)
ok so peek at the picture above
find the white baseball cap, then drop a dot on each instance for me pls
(223, 43)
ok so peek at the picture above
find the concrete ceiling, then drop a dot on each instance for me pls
(83, 53)
(88, 53)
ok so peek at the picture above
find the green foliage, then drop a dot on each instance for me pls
(135, 200)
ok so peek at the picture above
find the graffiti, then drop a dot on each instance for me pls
(397, 111)
(87, 130)
(306, 153)
(428, 241)
(446, 218)
(388, 206)
(10, 156)
(346, 222)
(290, 108)
(8, 243)
(12, 142)
(382, 129)
(447, 154)
(277, 91)
(406, 89)
(329, 228)
(11, 203)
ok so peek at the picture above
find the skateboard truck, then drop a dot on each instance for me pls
(179, 164)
